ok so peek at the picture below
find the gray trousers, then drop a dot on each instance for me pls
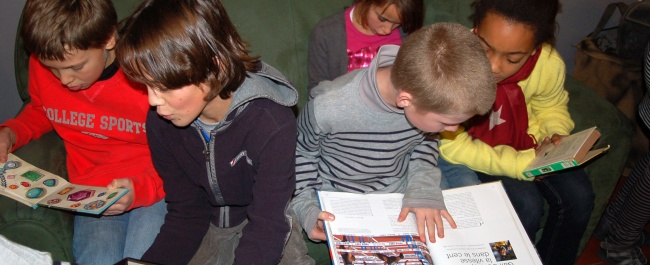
(218, 246)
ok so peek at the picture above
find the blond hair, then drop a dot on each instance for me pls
(444, 67)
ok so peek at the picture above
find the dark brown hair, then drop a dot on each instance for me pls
(51, 29)
(175, 43)
(537, 14)
(445, 69)
(411, 12)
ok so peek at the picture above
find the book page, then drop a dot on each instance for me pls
(26, 183)
(33, 186)
(82, 198)
(366, 230)
(567, 149)
(489, 231)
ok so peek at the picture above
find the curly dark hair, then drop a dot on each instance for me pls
(538, 14)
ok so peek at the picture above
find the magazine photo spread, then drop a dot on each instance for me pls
(366, 230)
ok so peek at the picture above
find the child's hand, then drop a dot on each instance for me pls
(7, 141)
(431, 218)
(555, 139)
(123, 203)
(319, 230)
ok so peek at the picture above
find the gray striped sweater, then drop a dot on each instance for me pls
(350, 140)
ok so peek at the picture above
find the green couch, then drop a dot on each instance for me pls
(278, 31)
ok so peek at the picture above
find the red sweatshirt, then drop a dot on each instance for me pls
(102, 127)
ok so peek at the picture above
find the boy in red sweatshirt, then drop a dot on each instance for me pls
(79, 91)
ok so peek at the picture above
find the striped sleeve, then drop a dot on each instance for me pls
(423, 185)
(305, 203)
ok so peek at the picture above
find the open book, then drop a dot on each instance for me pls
(366, 230)
(573, 150)
(32, 186)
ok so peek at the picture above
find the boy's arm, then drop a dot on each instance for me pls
(305, 203)
(31, 122)
(423, 196)
(501, 160)
(423, 183)
(268, 221)
(147, 188)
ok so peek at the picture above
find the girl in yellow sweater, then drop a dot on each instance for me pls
(530, 111)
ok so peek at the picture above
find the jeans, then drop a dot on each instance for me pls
(109, 239)
(570, 197)
(456, 175)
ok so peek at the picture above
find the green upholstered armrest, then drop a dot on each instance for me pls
(589, 109)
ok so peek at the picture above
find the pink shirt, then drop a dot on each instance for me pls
(362, 48)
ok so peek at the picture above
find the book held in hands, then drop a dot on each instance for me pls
(573, 150)
(33, 186)
(366, 230)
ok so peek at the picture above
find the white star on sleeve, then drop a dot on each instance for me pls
(495, 118)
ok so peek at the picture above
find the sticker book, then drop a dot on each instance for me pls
(33, 186)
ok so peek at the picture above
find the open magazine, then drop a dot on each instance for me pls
(366, 230)
(33, 186)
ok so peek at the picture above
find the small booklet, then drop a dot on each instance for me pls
(574, 150)
(33, 186)
(366, 230)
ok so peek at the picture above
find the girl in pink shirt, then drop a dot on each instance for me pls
(348, 40)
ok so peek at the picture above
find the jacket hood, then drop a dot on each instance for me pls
(267, 83)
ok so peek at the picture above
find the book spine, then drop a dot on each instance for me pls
(550, 168)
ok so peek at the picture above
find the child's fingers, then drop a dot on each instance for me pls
(120, 183)
(326, 216)
(421, 222)
(449, 218)
(439, 226)
(403, 214)
(556, 138)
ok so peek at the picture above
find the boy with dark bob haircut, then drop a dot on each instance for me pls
(222, 135)
(373, 129)
(78, 90)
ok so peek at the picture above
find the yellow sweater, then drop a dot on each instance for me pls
(546, 103)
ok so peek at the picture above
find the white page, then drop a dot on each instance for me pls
(486, 222)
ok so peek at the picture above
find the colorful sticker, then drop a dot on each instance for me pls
(34, 193)
(111, 196)
(32, 175)
(66, 190)
(75, 205)
(50, 182)
(81, 195)
(54, 201)
(94, 205)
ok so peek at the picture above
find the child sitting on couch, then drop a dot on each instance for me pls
(371, 130)
(78, 90)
